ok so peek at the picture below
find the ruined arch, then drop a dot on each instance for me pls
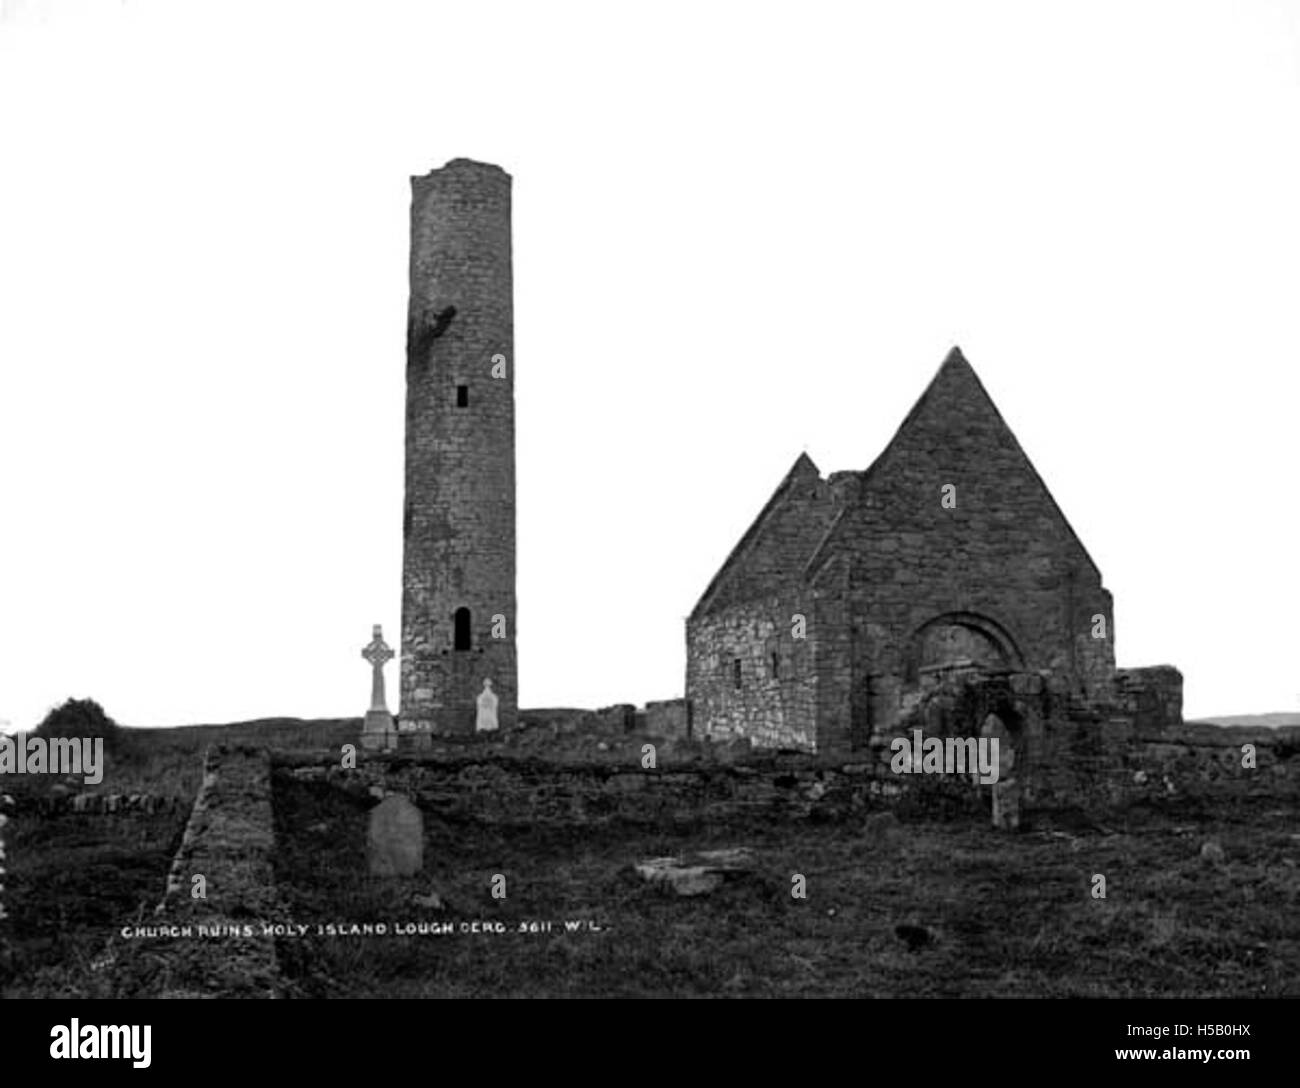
(954, 638)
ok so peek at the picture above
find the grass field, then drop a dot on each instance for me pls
(72, 881)
(1006, 915)
(992, 914)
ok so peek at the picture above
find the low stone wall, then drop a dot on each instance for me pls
(1070, 753)
(665, 718)
(529, 792)
(6, 805)
(1201, 755)
(619, 718)
(194, 825)
(1071, 759)
(1084, 760)
(216, 944)
(1151, 696)
(97, 804)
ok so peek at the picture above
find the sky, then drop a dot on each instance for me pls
(741, 231)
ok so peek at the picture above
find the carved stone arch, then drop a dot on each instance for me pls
(955, 638)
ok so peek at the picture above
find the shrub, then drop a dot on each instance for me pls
(80, 718)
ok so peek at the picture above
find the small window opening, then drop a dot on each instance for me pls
(776, 665)
(462, 636)
(735, 672)
(462, 396)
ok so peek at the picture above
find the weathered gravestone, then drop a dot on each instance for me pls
(1006, 790)
(395, 844)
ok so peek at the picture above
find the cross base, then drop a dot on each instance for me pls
(379, 732)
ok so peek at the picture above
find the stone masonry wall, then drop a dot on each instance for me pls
(665, 718)
(1153, 695)
(216, 945)
(1077, 766)
(1003, 561)
(771, 699)
(747, 613)
(459, 519)
(621, 717)
(897, 579)
(524, 792)
(97, 804)
(773, 551)
(1097, 761)
(1005, 552)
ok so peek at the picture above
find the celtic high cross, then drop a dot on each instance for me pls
(378, 653)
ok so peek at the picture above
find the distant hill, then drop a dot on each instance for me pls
(268, 732)
(1271, 721)
(169, 760)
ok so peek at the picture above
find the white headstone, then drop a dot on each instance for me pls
(487, 708)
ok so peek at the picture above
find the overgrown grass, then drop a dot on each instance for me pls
(1007, 915)
(170, 761)
(72, 882)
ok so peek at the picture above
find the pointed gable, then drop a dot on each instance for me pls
(778, 543)
(954, 434)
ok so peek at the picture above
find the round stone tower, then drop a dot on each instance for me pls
(458, 576)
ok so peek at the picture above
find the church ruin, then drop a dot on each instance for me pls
(945, 567)
(941, 586)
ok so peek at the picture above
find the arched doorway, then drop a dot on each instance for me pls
(961, 640)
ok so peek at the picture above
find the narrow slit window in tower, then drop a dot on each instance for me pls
(776, 666)
(735, 672)
(462, 636)
(462, 396)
